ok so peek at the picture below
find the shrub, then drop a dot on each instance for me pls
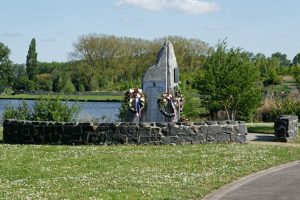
(54, 110)
(21, 112)
(43, 110)
(273, 108)
(286, 106)
(123, 110)
(69, 87)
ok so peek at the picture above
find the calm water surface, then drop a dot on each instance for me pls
(97, 111)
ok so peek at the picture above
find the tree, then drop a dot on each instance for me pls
(231, 83)
(19, 78)
(283, 60)
(44, 82)
(296, 60)
(31, 61)
(268, 68)
(5, 67)
(118, 63)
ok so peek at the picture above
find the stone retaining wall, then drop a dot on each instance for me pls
(286, 127)
(32, 132)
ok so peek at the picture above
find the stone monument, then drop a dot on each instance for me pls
(161, 78)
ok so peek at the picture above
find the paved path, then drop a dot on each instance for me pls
(277, 183)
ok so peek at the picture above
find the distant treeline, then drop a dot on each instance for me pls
(109, 63)
(104, 62)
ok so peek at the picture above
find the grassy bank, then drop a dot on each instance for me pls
(130, 172)
(1, 134)
(89, 97)
(267, 128)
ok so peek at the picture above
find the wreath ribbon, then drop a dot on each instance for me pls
(136, 100)
(170, 105)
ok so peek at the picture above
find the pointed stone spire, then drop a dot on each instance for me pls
(160, 78)
(164, 68)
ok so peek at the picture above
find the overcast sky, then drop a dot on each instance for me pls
(265, 26)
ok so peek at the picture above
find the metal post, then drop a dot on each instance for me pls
(166, 68)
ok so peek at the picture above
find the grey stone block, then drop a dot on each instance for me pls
(199, 123)
(155, 131)
(144, 140)
(211, 122)
(174, 130)
(155, 142)
(186, 130)
(161, 124)
(214, 129)
(96, 138)
(144, 124)
(120, 139)
(223, 137)
(195, 130)
(165, 131)
(203, 129)
(241, 139)
(193, 139)
(232, 122)
(229, 129)
(145, 132)
(222, 123)
(175, 139)
(165, 140)
(243, 129)
(211, 137)
(286, 127)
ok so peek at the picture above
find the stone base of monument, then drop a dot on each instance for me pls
(286, 128)
(28, 132)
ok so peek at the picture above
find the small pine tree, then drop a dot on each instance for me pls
(31, 60)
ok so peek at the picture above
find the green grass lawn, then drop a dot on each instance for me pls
(69, 97)
(260, 128)
(268, 130)
(130, 172)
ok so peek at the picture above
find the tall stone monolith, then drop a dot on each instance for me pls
(162, 77)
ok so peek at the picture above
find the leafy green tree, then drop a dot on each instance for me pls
(283, 60)
(261, 62)
(231, 83)
(272, 67)
(5, 67)
(44, 82)
(268, 68)
(31, 61)
(296, 73)
(296, 60)
(117, 63)
(19, 78)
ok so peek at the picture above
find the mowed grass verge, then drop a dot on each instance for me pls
(130, 172)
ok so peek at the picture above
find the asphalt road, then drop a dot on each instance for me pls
(278, 183)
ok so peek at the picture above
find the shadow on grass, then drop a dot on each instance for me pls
(265, 138)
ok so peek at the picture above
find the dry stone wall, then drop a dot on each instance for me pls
(286, 127)
(33, 132)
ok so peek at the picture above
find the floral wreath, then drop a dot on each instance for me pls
(135, 100)
(170, 104)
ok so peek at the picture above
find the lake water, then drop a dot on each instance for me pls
(97, 111)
